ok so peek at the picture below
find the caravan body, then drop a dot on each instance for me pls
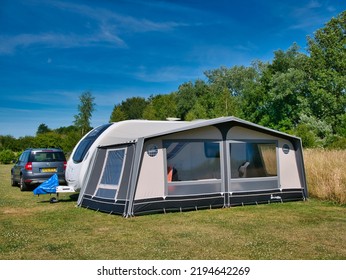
(165, 167)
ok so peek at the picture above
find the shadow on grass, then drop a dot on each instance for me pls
(56, 199)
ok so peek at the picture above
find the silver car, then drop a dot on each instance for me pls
(35, 166)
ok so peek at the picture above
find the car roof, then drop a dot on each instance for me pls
(45, 149)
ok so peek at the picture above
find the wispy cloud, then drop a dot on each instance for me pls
(122, 22)
(8, 44)
(42, 99)
(109, 31)
(310, 16)
(164, 74)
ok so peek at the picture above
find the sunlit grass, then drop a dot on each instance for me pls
(33, 228)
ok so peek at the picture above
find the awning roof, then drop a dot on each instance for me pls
(131, 130)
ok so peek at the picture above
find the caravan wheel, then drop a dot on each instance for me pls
(53, 200)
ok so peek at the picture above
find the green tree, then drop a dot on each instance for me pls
(254, 96)
(198, 111)
(228, 87)
(65, 129)
(68, 141)
(191, 96)
(283, 90)
(8, 142)
(42, 128)
(130, 109)
(48, 140)
(287, 100)
(187, 98)
(134, 107)
(26, 142)
(85, 108)
(327, 72)
(117, 114)
(161, 107)
(7, 156)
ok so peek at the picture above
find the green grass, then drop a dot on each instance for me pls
(33, 228)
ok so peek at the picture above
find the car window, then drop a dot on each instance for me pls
(47, 157)
(21, 158)
(25, 156)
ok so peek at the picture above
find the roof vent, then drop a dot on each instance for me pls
(172, 119)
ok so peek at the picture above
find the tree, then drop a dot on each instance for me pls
(283, 90)
(161, 107)
(26, 142)
(134, 107)
(130, 109)
(65, 129)
(254, 95)
(228, 87)
(117, 114)
(8, 142)
(327, 72)
(48, 140)
(85, 108)
(7, 156)
(187, 97)
(42, 128)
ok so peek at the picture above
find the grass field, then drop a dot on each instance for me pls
(32, 228)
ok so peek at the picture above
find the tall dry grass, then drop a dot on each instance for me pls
(326, 174)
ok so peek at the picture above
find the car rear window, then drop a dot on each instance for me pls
(47, 156)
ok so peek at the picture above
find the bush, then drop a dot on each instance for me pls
(7, 156)
(307, 136)
(336, 142)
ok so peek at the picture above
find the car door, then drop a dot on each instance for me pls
(20, 165)
(16, 168)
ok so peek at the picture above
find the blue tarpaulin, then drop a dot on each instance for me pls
(48, 186)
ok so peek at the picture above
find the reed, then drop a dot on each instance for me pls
(326, 174)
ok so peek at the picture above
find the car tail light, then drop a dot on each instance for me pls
(65, 164)
(28, 166)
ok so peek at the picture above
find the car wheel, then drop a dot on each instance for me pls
(22, 185)
(13, 182)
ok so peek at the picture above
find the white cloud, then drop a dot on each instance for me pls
(124, 22)
(310, 17)
(8, 44)
(164, 74)
(110, 26)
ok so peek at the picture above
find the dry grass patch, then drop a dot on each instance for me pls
(326, 176)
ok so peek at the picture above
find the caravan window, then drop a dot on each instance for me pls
(249, 160)
(86, 143)
(111, 173)
(196, 160)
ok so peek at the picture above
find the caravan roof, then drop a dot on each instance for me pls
(131, 130)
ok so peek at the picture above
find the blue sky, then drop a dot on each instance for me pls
(52, 51)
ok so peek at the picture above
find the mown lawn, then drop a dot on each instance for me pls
(32, 228)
